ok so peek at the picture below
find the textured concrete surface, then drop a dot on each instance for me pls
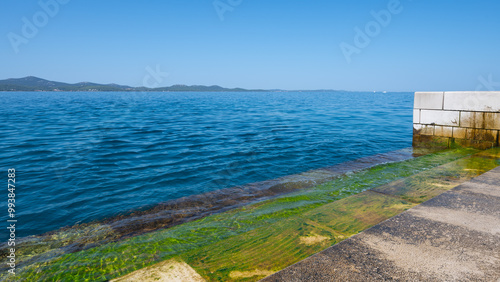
(452, 237)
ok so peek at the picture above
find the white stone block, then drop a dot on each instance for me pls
(472, 119)
(416, 116)
(492, 121)
(424, 129)
(479, 101)
(481, 134)
(481, 120)
(443, 131)
(448, 118)
(428, 100)
(459, 132)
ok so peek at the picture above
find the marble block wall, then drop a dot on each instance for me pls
(443, 119)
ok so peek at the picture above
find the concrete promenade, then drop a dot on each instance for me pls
(452, 237)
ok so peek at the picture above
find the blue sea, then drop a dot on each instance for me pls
(84, 156)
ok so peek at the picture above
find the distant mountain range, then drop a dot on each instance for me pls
(31, 83)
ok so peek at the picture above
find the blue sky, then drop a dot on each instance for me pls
(425, 45)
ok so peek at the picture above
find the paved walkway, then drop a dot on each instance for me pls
(454, 236)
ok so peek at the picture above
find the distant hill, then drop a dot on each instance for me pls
(31, 83)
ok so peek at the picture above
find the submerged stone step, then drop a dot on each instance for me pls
(454, 236)
(263, 248)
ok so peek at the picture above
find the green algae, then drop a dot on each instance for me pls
(428, 184)
(279, 245)
(275, 247)
(40, 248)
(116, 259)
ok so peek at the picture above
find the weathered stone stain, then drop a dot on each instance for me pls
(436, 124)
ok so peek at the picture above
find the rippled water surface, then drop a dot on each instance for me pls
(86, 156)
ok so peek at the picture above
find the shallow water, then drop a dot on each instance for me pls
(405, 183)
(86, 156)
